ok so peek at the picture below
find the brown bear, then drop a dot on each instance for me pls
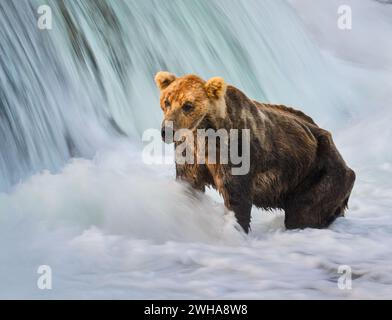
(294, 164)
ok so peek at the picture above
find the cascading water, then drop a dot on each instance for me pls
(74, 102)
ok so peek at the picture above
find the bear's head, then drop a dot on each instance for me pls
(186, 101)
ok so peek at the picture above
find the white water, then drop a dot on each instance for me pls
(112, 227)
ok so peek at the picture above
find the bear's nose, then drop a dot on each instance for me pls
(167, 132)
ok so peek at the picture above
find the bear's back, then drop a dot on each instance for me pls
(236, 99)
(284, 110)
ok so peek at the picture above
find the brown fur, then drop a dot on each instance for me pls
(294, 164)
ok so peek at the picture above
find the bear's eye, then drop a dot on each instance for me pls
(167, 104)
(187, 107)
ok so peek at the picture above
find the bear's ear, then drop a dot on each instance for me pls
(163, 79)
(216, 88)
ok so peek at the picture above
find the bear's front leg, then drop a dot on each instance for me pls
(242, 209)
(236, 194)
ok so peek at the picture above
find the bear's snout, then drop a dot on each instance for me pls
(167, 134)
(163, 133)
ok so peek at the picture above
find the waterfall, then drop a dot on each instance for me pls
(70, 91)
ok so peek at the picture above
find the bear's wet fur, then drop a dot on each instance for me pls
(294, 164)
